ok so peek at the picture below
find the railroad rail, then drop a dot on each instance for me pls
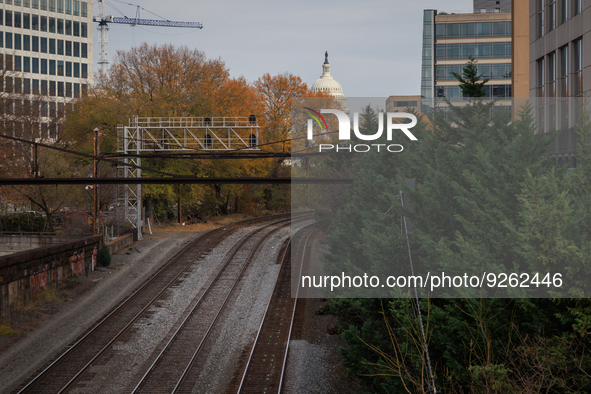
(63, 373)
(168, 373)
(265, 369)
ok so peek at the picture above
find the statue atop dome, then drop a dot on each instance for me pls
(326, 57)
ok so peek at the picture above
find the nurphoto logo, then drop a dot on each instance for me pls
(345, 130)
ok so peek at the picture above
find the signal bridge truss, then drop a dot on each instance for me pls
(175, 134)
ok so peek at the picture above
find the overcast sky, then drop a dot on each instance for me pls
(374, 46)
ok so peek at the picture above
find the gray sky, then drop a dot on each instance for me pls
(374, 46)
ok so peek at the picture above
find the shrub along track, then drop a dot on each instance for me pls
(71, 365)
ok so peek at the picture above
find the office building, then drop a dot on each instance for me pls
(559, 69)
(46, 57)
(450, 39)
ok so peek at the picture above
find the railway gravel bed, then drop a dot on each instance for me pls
(110, 286)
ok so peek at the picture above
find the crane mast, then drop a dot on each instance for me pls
(103, 29)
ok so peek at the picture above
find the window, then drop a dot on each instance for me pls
(17, 20)
(68, 27)
(84, 71)
(540, 26)
(1, 45)
(83, 30)
(26, 42)
(76, 70)
(8, 64)
(35, 22)
(52, 89)
(44, 89)
(552, 91)
(540, 77)
(76, 9)
(76, 29)
(60, 26)
(60, 6)
(52, 46)
(8, 40)
(60, 47)
(43, 44)
(43, 5)
(35, 44)
(564, 10)
(60, 68)
(27, 64)
(52, 25)
(68, 6)
(17, 41)
(68, 89)
(51, 5)
(578, 67)
(60, 89)
(578, 7)
(35, 4)
(43, 66)
(18, 63)
(9, 85)
(26, 3)
(52, 67)
(84, 50)
(8, 18)
(484, 29)
(35, 86)
(563, 86)
(76, 90)
(27, 89)
(68, 48)
(43, 23)
(552, 15)
(26, 21)
(1, 17)
(68, 69)
(77, 49)
(35, 67)
(84, 9)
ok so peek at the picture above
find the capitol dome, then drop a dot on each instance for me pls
(326, 83)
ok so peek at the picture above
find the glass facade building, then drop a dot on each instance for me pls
(449, 40)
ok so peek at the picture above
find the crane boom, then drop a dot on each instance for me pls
(103, 28)
(147, 22)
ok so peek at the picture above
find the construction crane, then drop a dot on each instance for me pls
(103, 29)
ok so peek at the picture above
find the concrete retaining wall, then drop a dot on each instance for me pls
(14, 243)
(24, 275)
(120, 243)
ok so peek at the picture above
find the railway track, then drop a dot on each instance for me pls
(67, 370)
(265, 369)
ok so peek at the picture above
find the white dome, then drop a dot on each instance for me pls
(326, 83)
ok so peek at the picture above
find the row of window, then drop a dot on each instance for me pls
(491, 91)
(554, 70)
(75, 7)
(43, 23)
(46, 67)
(475, 29)
(488, 71)
(43, 45)
(476, 50)
(42, 87)
(558, 12)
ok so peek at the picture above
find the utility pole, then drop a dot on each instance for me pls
(179, 210)
(96, 186)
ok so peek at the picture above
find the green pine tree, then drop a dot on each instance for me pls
(469, 80)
